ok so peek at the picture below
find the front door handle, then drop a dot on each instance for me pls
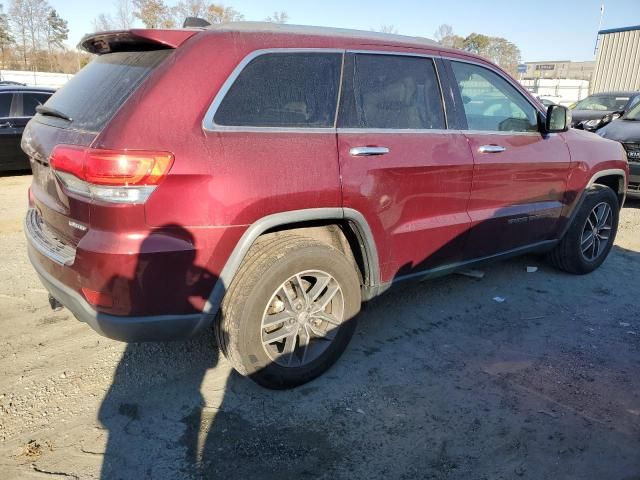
(491, 149)
(368, 151)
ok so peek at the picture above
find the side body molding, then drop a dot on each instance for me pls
(355, 218)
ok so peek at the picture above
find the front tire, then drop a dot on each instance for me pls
(290, 312)
(590, 237)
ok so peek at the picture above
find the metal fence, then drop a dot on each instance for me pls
(563, 91)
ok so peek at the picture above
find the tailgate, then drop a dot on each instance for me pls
(75, 115)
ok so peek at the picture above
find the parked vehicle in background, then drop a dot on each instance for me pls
(547, 102)
(17, 106)
(11, 82)
(626, 130)
(599, 109)
(301, 171)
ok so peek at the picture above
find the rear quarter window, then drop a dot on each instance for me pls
(95, 94)
(284, 90)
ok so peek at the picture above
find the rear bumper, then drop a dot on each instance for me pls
(126, 328)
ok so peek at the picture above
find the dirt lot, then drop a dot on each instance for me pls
(440, 381)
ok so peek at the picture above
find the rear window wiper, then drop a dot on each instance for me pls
(52, 112)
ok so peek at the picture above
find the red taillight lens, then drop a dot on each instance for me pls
(69, 159)
(112, 167)
(97, 299)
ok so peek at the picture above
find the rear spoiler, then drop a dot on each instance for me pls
(134, 40)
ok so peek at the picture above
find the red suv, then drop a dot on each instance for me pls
(264, 180)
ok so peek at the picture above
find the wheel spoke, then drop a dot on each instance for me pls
(303, 342)
(324, 300)
(596, 248)
(585, 248)
(285, 296)
(289, 347)
(299, 288)
(588, 235)
(321, 334)
(276, 318)
(317, 289)
(269, 338)
(326, 317)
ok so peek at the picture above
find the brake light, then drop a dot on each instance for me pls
(127, 176)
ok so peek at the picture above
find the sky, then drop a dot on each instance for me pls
(542, 29)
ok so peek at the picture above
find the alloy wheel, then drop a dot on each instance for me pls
(302, 318)
(596, 233)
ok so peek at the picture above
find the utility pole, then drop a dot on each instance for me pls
(595, 49)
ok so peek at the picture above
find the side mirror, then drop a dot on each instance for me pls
(558, 119)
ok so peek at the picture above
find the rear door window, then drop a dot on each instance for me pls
(5, 104)
(284, 90)
(95, 94)
(391, 92)
(491, 103)
(31, 100)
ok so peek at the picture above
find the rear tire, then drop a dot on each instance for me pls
(270, 329)
(587, 243)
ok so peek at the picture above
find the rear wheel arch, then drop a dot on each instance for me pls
(344, 229)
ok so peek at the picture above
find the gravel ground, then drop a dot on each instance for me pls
(440, 381)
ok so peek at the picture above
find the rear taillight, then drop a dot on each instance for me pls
(127, 176)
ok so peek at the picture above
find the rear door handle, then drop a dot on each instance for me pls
(5, 125)
(368, 151)
(491, 149)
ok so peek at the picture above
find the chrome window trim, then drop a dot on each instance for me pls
(510, 133)
(208, 123)
(440, 131)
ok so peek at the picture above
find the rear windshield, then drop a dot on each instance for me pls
(94, 95)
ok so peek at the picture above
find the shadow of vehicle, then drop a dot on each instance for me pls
(446, 397)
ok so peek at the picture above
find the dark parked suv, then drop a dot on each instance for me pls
(264, 180)
(17, 105)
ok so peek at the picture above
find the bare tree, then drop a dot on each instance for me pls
(444, 36)
(221, 14)
(278, 17)
(443, 32)
(103, 22)
(6, 39)
(124, 18)
(18, 12)
(190, 8)
(154, 13)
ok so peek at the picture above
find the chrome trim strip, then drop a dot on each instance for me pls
(43, 240)
(208, 123)
(498, 132)
(399, 131)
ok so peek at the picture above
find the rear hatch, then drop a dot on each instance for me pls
(77, 113)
